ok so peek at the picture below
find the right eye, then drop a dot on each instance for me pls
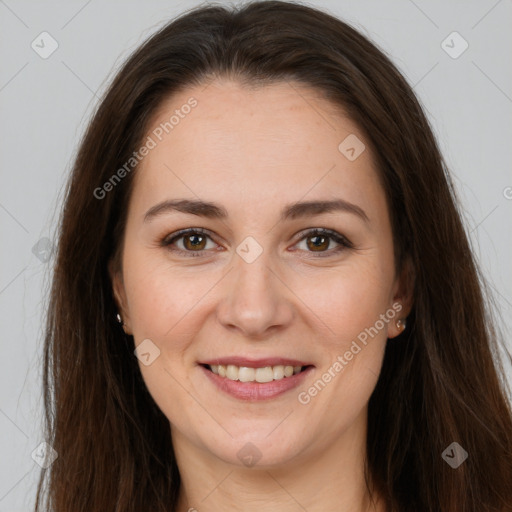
(194, 241)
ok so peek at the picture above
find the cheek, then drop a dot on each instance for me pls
(351, 304)
(163, 302)
(348, 300)
(160, 296)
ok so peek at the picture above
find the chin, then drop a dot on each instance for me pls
(257, 451)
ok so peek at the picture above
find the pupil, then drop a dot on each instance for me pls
(318, 237)
(197, 242)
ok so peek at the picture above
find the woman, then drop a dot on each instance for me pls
(201, 354)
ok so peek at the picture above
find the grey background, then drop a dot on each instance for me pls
(45, 104)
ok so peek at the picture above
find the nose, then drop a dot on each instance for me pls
(255, 299)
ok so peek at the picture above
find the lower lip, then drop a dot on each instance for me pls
(256, 391)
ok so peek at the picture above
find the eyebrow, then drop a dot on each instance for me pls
(292, 211)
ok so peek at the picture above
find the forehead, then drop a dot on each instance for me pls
(276, 143)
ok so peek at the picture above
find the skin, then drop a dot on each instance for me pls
(253, 152)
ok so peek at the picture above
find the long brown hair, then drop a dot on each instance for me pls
(442, 380)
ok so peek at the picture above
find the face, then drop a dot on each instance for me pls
(251, 285)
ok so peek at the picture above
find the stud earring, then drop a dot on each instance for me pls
(401, 324)
(119, 319)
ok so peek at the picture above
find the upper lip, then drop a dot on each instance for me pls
(255, 363)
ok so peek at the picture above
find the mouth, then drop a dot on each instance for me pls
(254, 381)
(258, 374)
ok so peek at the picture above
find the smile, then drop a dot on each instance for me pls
(246, 374)
(255, 383)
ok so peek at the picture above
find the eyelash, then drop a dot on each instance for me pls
(340, 239)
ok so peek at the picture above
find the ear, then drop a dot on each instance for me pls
(403, 298)
(116, 278)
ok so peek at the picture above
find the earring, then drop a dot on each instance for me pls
(401, 324)
(119, 319)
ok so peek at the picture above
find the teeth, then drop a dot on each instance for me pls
(232, 372)
(278, 372)
(245, 374)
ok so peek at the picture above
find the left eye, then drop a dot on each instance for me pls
(194, 241)
(317, 239)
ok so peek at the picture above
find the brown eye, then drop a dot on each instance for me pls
(194, 242)
(319, 242)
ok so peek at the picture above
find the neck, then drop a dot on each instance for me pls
(328, 479)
